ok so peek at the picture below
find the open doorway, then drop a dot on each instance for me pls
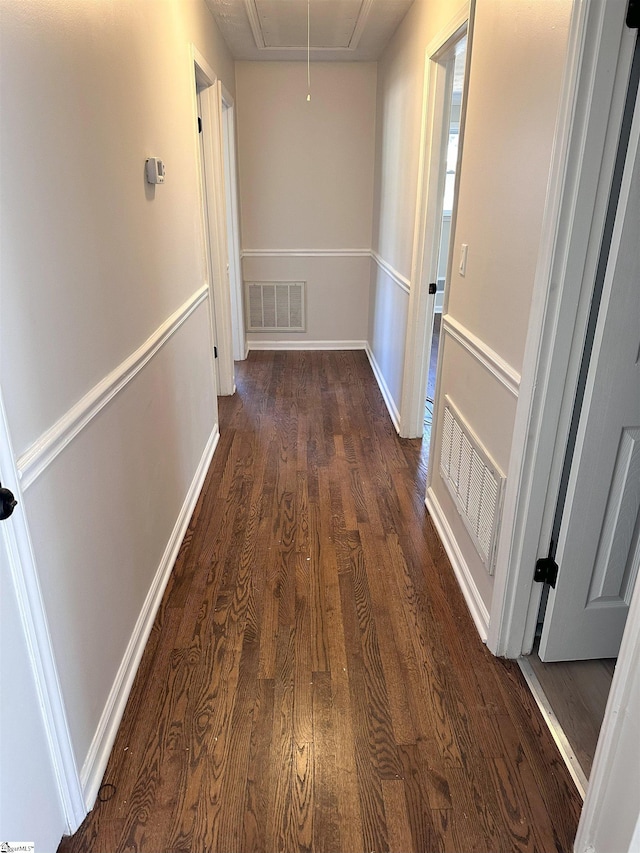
(209, 127)
(454, 62)
(593, 561)
(234, 267)
(445, 83)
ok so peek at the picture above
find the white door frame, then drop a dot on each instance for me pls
(599, 58)
(233, 225)
(22, 566)
(428, 221)
(212, 193)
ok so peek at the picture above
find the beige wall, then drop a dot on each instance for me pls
(399, 118)
(517, 60)
(398, 127)
(306, 184)
(94, 261)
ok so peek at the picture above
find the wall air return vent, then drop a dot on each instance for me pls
(474, 481)
(275, 306)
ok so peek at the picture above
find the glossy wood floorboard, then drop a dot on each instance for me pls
(313, 680)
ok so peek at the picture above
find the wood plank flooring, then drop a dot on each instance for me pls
(313, 680)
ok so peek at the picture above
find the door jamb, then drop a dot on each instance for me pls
(24, 572)
(426, 235)
(598, 61)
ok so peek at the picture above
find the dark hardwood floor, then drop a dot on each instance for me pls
(313, 680)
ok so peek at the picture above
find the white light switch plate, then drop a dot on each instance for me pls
(463, 259)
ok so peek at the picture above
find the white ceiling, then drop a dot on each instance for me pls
(277, 29)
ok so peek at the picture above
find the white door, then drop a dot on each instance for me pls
(598, 551)
(27, 774)
(207, 236)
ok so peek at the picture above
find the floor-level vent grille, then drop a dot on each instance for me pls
(275, 306)
(474, 481)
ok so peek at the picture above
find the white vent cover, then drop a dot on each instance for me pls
(474, 480)
(275, 306)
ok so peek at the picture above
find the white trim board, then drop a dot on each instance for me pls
(477, 608)
(257, 345)
(397, 277)
(52, 442)
(104, 737)
(489, 358)
(394, 414)
(306, 253)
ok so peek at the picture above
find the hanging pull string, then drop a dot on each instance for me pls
(308, 50)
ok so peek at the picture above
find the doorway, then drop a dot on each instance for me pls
(594, 554)
(234, 267)
(208, 124)
(454, 62)
(445, 83)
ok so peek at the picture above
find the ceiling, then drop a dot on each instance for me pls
(277, 29)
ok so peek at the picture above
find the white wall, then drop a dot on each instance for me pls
(398, 125)
(517, 60)
(95, 263)
(306, 186)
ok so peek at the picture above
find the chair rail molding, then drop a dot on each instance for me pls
(402, 281)
(51, 443)
(306, 253)
(489, 358)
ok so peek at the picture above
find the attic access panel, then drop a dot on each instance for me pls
(283, 23)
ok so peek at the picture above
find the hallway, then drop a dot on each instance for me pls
(313, 680)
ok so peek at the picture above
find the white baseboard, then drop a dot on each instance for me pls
(394, 414)
(476, 605)
(102, 743)
(304, 344)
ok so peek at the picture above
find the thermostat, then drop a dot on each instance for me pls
(155, 171)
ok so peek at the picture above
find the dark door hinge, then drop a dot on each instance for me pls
(215, 352)
(633, 14)
(433, 287)
(546, 571)
(199, 125)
